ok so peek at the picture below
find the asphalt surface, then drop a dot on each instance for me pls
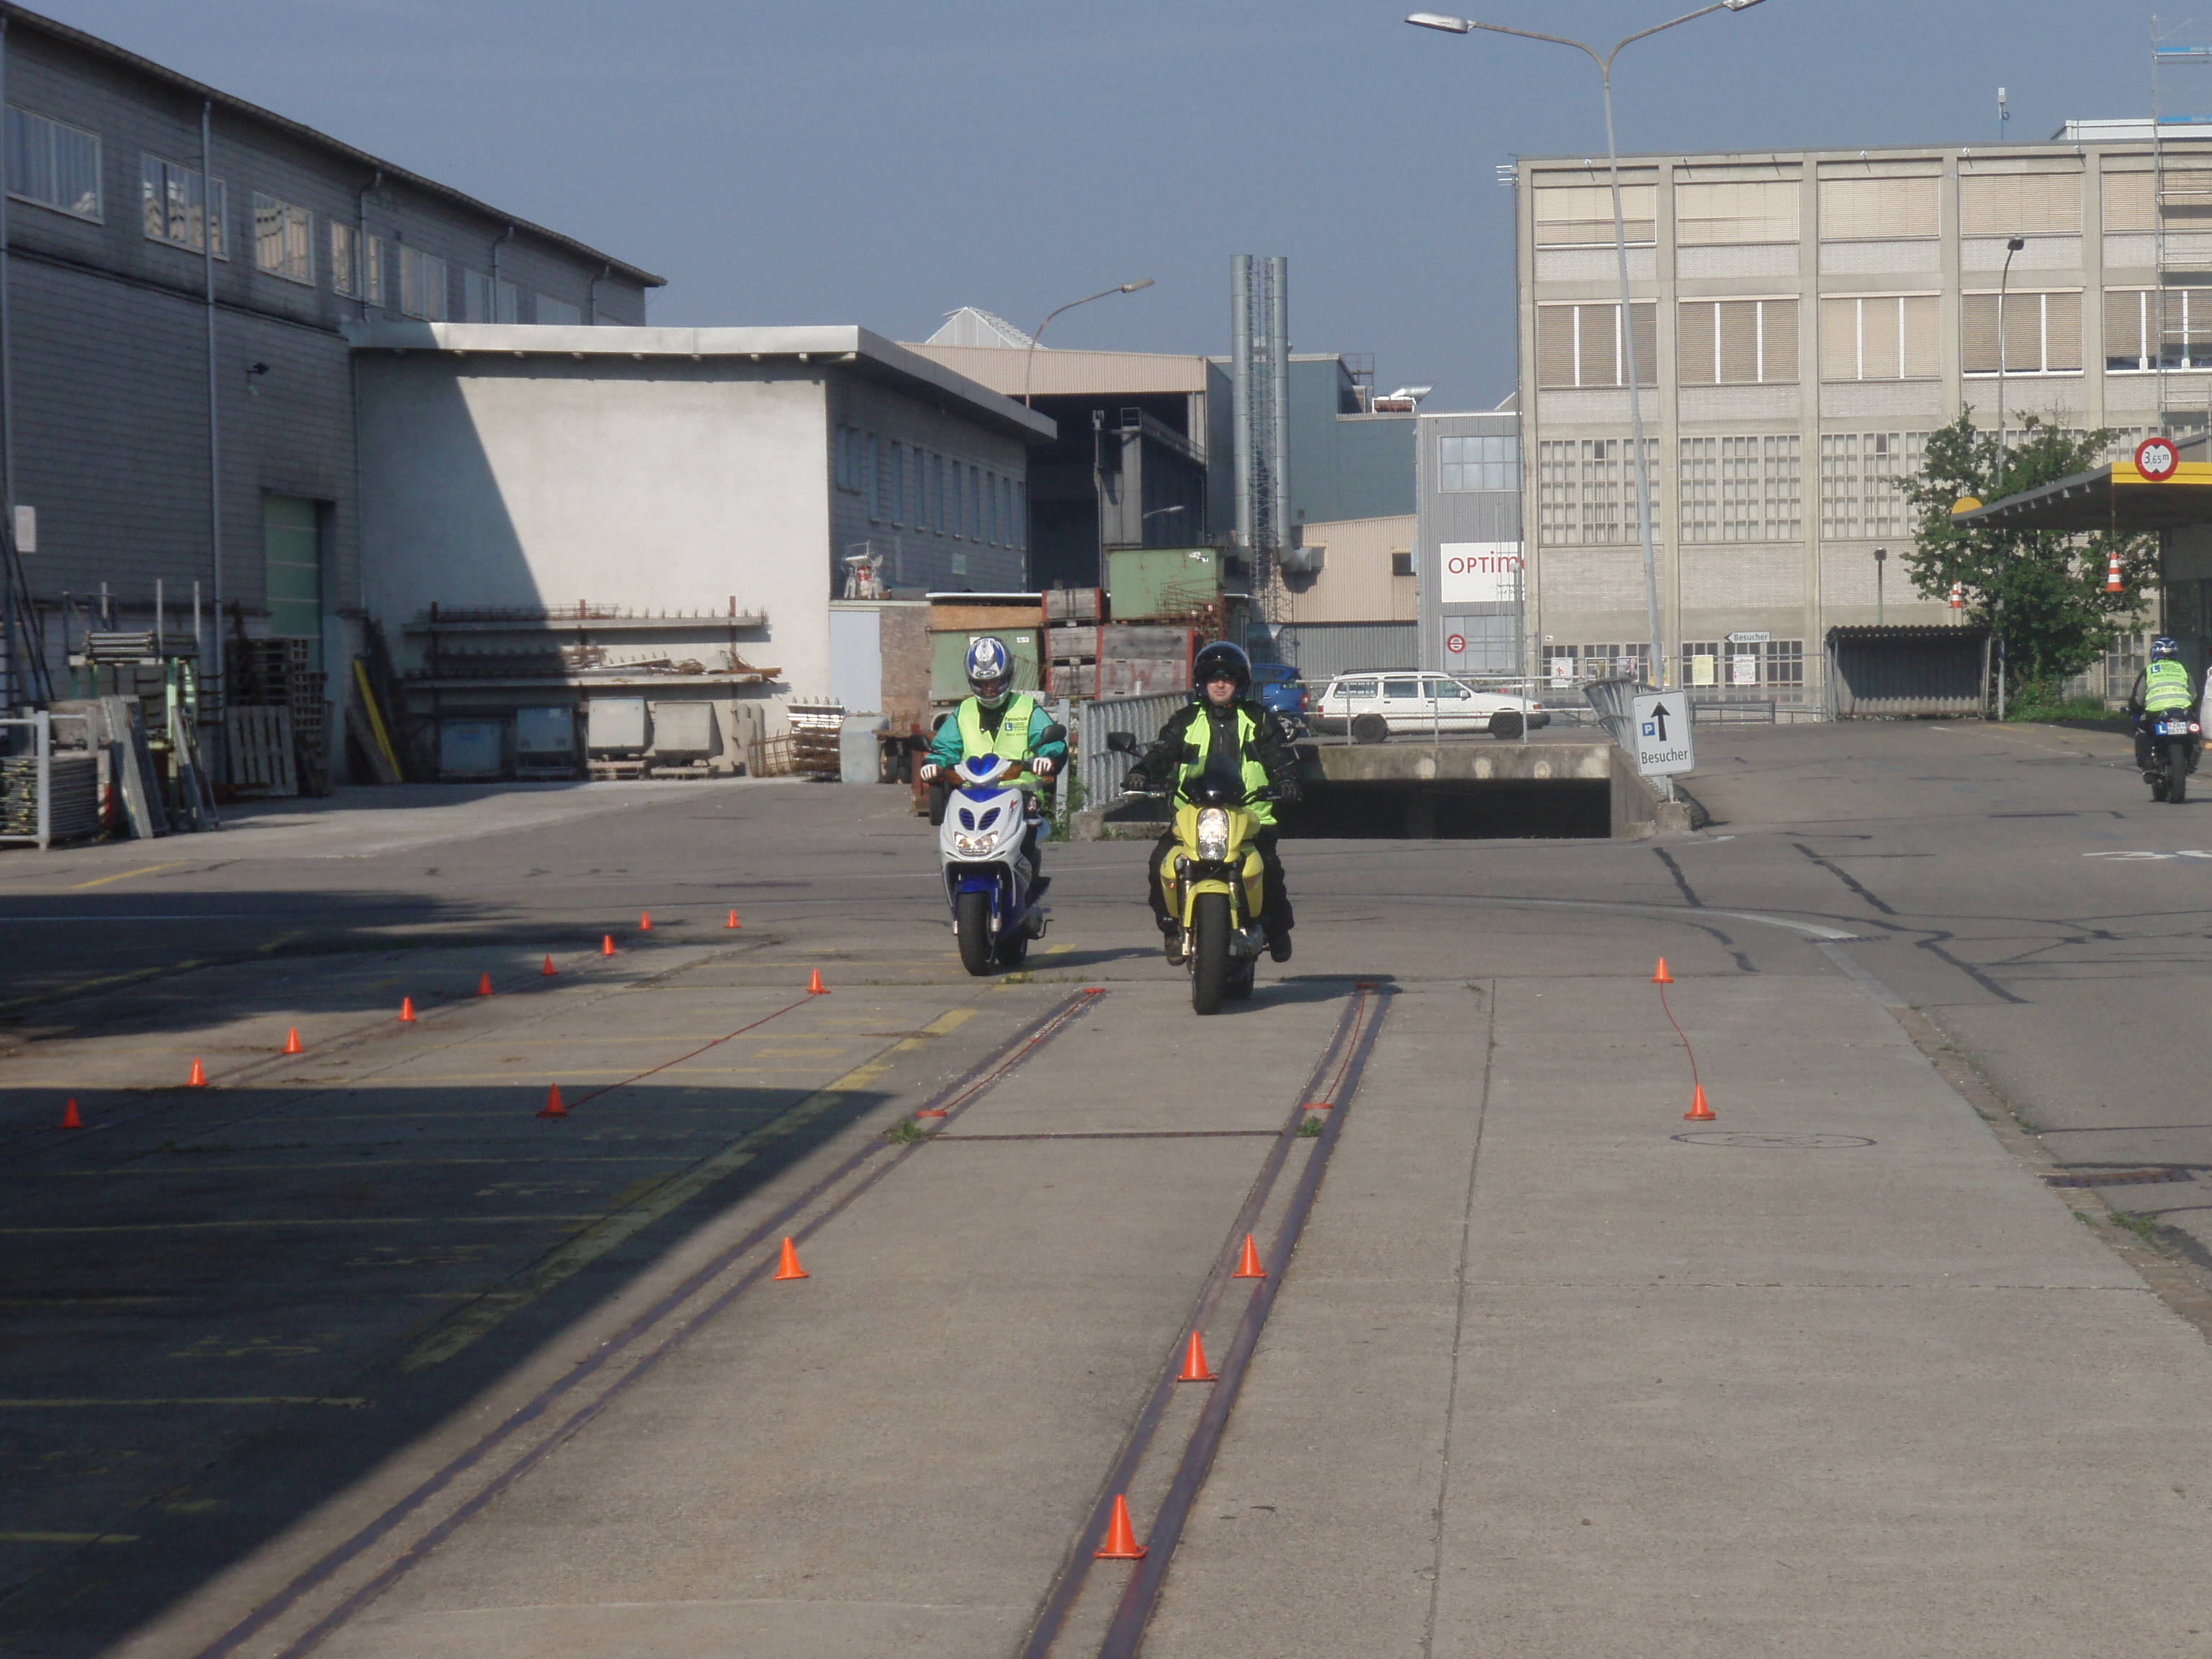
(353, 1351)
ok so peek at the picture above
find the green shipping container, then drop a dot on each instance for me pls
(948, 660)
(1154, 584)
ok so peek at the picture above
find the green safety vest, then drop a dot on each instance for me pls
(2165, 686)
(1198, 743)
(1010, 742)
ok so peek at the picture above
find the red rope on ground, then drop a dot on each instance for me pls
(1694, 1080)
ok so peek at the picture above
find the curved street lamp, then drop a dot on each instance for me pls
(1030, 362)
(2012, 244)
(1661, 667)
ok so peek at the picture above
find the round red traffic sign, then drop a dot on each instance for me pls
(1455, 643)
(2156, 458)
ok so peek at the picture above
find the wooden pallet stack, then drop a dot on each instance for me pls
(277, 723)
(1075, 619)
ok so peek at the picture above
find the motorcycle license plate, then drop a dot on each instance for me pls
(2173, 728)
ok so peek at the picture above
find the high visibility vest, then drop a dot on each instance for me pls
(1198, 743)
(2165, 686)
(1010, 742)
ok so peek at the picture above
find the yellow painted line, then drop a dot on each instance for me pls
(206, 1399)
(280, 941)
(68, 1537)
(1055, 949)
(198, 1164)
(482, 1317)
(125, 875)
(294, 1221)
(106, 981)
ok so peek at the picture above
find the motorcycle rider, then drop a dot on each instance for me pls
(995, 721)
(1225, 734)
(2161, 687)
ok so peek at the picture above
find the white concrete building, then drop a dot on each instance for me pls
(678, 474)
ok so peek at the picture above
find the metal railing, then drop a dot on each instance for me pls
(1098, 768)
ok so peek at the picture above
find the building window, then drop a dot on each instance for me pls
(422, 285)
(1889, 337)
(1021, 515)
(2135, 201)
(1580, 345)
(975, 518)
(1738, 342)
(1742, 490)
(937, 489)
(356, 263)
(1736, 212)
(1744, 663)
(1878, 209)
(2042, 333)
(1401, 561)
(1586, 491)
(557, 313)
(1861, 473)
(2019, 204)
(176, 201)
(2138, 338)
(487, 299)
(1481, 461)
(959, 561)
(53, 164)
(284, 239)
(1581, 215)
(880, 490)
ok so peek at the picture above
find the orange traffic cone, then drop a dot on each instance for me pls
(1195, 1367)
(815, 988)
(645, 921)
(1121, 1543)
(292, 1040)
(1698, 1112)
(198, 1079)
(407, 1011)
(733, 921)
(607, 944)
(483, 984)
(553, 1108)
(2112, 582)
(787, 1267)
(70, 1119)
(547, 971)
(1663, 977)
(1249, 1267)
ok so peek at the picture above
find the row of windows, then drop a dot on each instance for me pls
(1890, 336)
(905, 484)
(1743, 663)
(1755, 210)
(1748, 488)
(57, 166)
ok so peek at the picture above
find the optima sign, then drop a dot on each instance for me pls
(1480, 573)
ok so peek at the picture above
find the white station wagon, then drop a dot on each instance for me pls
(1405, 703)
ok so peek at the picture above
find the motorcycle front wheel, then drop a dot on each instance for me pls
(1209, 951)
(2177, 772)
(973, 912)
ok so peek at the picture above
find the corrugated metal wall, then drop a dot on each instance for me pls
(1932, 670)
(1320, 651)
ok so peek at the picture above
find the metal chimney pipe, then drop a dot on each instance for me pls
(1279, 424)
(1240, 387)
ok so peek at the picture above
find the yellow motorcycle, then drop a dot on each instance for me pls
(1211, 876)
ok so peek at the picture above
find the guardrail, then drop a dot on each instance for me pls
(1098, 768)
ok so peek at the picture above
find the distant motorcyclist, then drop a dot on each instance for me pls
(1224, 734)
(994, 720)
(2161, 688)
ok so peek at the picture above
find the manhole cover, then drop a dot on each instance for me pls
(1772, 1142)
(2116, 1177)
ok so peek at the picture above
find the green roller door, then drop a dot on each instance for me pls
(293, 539)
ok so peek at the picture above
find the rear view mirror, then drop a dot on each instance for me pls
(1121, 743)
(1052, 734)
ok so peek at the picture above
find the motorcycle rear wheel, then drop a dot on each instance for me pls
(973, 912)
(1209, 951)
(2177, 772)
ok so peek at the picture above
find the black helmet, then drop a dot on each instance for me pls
(1217, 659)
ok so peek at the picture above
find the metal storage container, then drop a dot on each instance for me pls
(1148, 584)
(471, 748)
(682, 732)
(617, 726)
(545, 743)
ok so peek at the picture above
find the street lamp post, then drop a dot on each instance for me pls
(2012, 244)
(1030, 361)
(1880, 563)
(1431, 20)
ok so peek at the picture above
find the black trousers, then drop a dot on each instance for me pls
(1274, 896)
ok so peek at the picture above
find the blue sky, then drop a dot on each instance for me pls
(844, 161)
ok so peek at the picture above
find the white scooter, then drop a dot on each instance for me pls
(988, 879)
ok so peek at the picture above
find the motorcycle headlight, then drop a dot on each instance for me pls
(1213, 834)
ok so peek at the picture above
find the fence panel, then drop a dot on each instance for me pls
(1098, 766)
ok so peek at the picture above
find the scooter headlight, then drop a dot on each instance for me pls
(1213, 834)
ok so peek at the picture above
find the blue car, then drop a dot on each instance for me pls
(1276, 685)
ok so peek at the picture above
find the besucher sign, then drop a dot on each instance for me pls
(1662, 736)
(1478, 573)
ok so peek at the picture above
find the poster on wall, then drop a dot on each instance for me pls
(1478, 573)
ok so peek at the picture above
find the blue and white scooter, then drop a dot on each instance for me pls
(988, 879)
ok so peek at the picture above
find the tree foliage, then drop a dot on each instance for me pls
(2040, 591)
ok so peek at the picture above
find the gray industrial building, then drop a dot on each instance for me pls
(173, 371)
(1467, 563)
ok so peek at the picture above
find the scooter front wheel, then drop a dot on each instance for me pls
(1209, 951)
(972, 911)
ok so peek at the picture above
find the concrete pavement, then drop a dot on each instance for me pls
(1836, 1373)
